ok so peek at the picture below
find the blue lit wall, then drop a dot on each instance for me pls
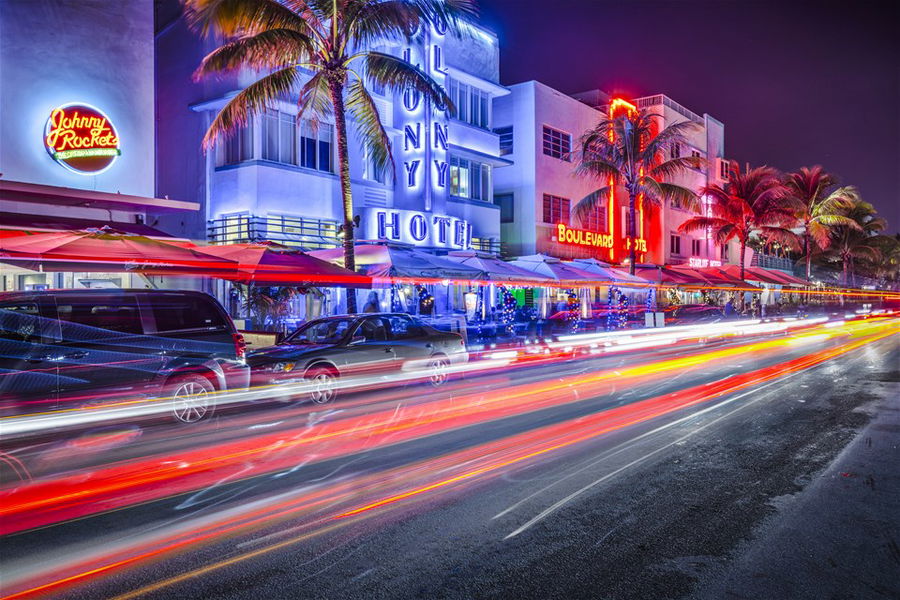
(97, 52)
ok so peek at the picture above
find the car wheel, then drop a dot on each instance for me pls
(192, 398)
(324, 388)
(438, 371)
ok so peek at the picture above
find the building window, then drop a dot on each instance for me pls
(470, 105)
(485, 244)
(675, 245)
(695, 247)
(724, 252)
(470, 179)
(279, 137)
(557, 144)
(675, 152)
(507, 210)
(316, 146)
(695, 153)
(234, 228)
(239, 146)
(506, 139)
(556, 209)
(371, 171)
(723, 169)
(595, 219)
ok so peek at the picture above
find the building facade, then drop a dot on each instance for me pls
(540, 128)
(276, 179)
(77, 141)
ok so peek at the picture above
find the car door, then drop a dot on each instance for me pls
(28, 369)
(103, 353)
(370, 349)
(410, 342)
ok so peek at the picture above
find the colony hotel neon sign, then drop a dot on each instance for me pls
(81, 138)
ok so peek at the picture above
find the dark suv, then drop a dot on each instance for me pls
(70, 348)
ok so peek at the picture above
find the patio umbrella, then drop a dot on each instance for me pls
(388, 261)
(495, 269)
(663, 276)
(107, 250)
(554, 268)
(607, 272)
(273, 264)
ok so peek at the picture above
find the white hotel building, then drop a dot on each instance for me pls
(276, 181)
(540, 128)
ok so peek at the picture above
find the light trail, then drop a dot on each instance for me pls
(472, 464)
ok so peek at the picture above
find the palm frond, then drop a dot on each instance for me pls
(675, 166)
(251, 100)
(679, 196)
(368, 125)
(598, 168)
(243, 17)
(314, 101)
(593, 201)
(783, 236)
(270, 49)
(399, 75)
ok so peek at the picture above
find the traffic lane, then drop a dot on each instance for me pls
(274, 453)
(100, 526)
(57, 452)
(652, 530)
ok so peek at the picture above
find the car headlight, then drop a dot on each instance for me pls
(283, 367)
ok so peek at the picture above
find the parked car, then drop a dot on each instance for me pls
(326, 349)
(71, 348)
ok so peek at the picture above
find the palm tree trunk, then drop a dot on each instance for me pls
(806, 252)
(336, 89)
(845, 276)
(741, 258)
(632, 230)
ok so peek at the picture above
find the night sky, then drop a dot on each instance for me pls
(796, 83)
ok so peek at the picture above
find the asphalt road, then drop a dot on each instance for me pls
(784, 488)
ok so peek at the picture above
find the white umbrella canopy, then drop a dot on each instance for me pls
(495, 269)
(377, 260)
(605, 271)
(554, 268)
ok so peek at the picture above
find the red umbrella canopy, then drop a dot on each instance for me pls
(274, 264)
(103, 249)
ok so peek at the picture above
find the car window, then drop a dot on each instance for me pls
(326, 331)
(113, 313)
(21, 322)
(175, 312)
(403, 328)
(373, 329)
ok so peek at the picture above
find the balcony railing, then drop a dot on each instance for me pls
(304, 233)
(767, 261)
(666, 101)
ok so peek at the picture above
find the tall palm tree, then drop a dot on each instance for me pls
(850, 244)
(819, 207)
(624, 151)
(286, 40)
(754, 202)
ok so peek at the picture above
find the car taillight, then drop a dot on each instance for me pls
(240, 346)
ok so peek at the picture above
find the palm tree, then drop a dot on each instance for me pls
(752, 202)
(622, 151)
(850, 244)
(819, 207)
(286, 40)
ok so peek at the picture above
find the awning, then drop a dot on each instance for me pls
(14, 224)
(390, 261)
(554, 268)
(495, 269)
(105, 250)
(274, 264)
(663, 276)
(753, 274)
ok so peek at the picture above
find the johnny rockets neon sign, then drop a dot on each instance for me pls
(81, 138)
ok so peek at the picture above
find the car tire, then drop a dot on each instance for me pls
(324, 382)
(437, 370)
(192, 398)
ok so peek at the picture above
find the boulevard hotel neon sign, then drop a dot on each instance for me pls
(582, 237)
(81, 138)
